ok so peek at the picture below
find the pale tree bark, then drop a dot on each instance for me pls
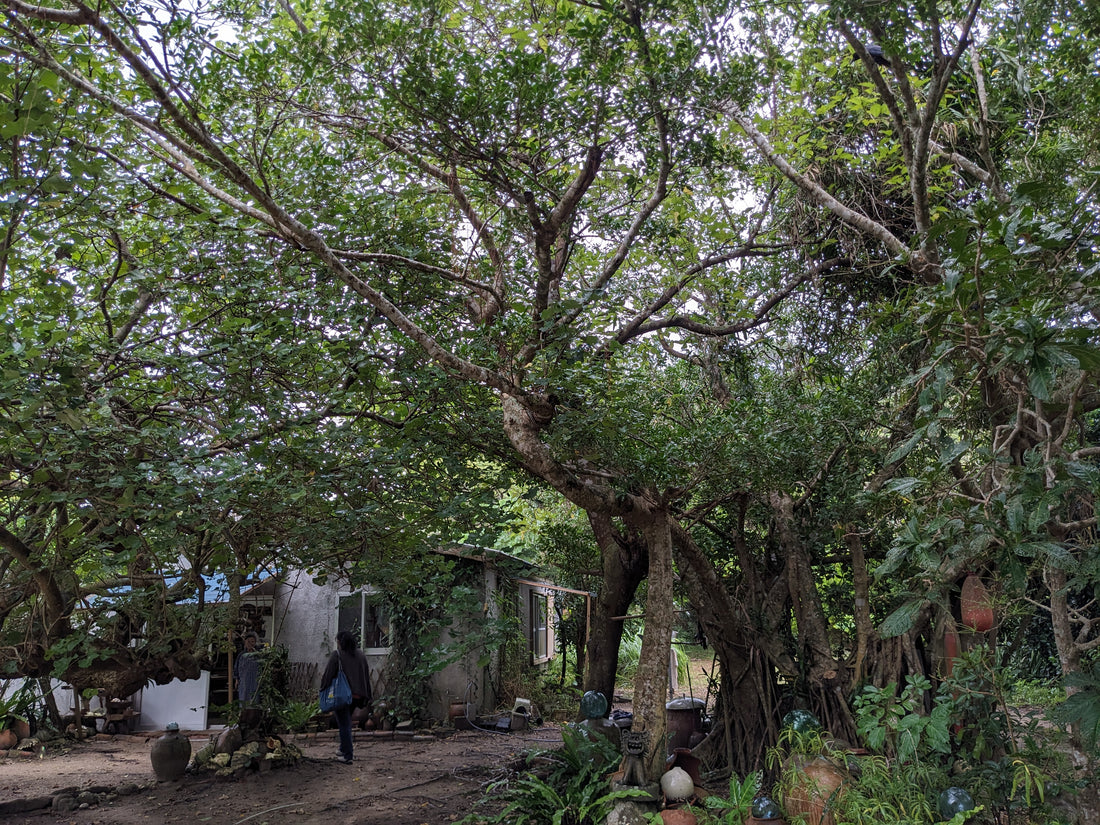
(651, 679)
(827, 677)
(861, 607)
(813, 628)
(1065, 640)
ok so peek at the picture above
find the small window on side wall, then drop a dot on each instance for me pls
(366, 615)
(539, 631)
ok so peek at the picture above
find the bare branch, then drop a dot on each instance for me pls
(46, 13)
(816, 193)
(886, 94)
(494, 298)
(759, 316)
(285, 6)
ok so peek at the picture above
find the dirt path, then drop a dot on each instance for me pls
(393, 781)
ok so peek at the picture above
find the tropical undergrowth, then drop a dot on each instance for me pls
(566, 786)
(918, 740)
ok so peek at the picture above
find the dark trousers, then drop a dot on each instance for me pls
(343, 724)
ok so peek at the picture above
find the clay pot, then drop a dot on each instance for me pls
(170, 754)
(812, 790)
(678, 816)
(683, 758)
(975, 605)
(8, 739)
(21, 728)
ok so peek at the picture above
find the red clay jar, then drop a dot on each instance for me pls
(975, 605)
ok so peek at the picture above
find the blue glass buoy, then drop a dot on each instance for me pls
(593, 705)
(764, 807)
(954, 801)
(801, 720)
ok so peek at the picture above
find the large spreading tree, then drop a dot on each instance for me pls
(755, 288)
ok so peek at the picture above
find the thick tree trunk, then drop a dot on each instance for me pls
(1069, 652)
(625, 563)
(827, 680)
(651, 679)
(523, 425)
(746, 720)
(813, 628)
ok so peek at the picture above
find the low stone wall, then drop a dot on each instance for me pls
(66, 800)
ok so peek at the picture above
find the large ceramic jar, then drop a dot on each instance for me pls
(170, 754)
(976, 605)
(812, 790)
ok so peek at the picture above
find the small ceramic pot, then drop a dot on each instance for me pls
(678, 816)
(21, 728)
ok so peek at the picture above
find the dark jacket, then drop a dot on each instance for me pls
(355, 669)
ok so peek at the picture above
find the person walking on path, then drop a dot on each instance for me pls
(353, 661)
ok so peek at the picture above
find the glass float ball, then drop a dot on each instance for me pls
(953, 801)
(593, 705)
(764, 807)
(801, 721)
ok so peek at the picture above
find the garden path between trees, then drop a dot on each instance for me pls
(402, 780)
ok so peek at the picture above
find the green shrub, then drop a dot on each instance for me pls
(969, 739)
(295, 715)
(1036, 692)
(1083, 707)
(567, 786)
(735, 808)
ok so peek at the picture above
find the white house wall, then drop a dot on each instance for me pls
(305, 623)
(181, 702)
(464, 681)
(305, 618)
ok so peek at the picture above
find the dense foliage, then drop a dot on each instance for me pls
(797, 304)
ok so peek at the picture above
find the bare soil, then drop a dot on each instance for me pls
(403, 780)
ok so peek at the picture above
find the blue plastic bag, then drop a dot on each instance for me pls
(336, 695)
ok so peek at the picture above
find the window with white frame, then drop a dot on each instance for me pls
(365, 614)
(540, 635)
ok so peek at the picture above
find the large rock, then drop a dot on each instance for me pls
(627, 812)
(21, 806)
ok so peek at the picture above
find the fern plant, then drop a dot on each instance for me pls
(734, 809)
(1082, 706)
(891, 791)
(570, 786)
